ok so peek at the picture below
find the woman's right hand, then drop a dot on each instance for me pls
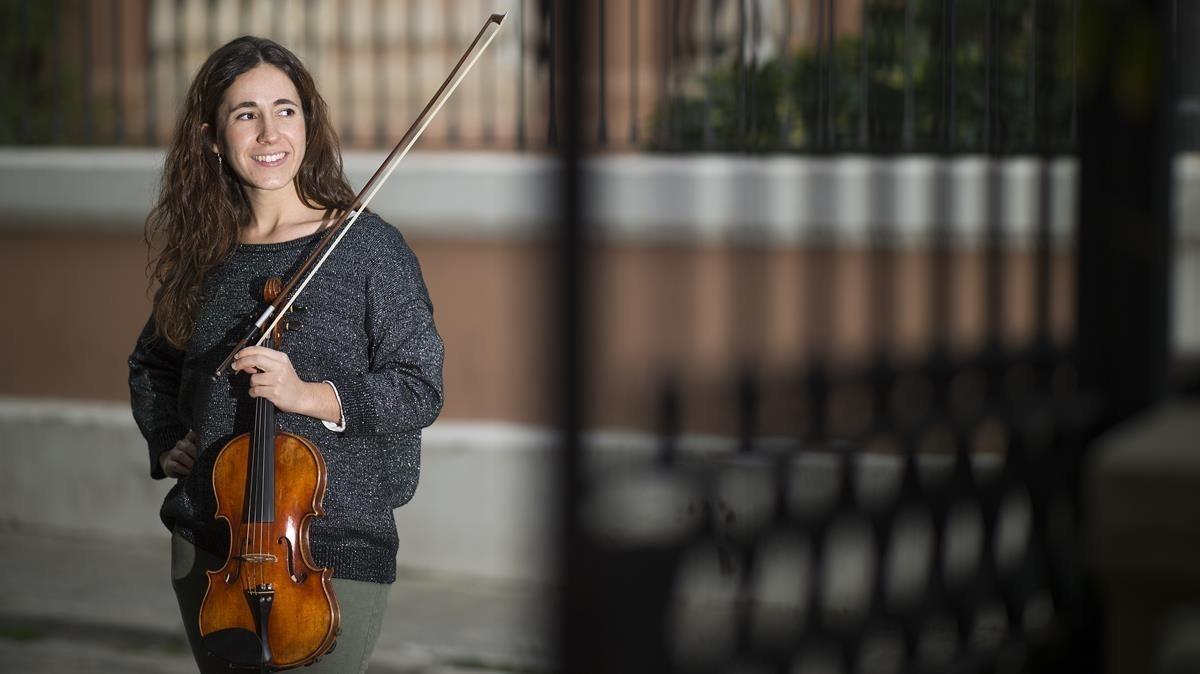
(177, 461)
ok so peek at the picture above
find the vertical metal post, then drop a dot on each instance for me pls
(994, 226)
(1125, 155)
(574, 618)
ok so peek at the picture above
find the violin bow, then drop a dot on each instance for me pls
(336, 232)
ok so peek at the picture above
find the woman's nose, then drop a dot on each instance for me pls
(268, 132)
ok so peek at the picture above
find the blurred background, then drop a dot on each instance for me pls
(781, 335)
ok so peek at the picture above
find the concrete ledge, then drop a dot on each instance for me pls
(714, 198)
(481, 507)
(485, 505)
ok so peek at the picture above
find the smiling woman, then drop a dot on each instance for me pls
(252, 175)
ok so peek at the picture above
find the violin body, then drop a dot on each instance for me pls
(269, 605)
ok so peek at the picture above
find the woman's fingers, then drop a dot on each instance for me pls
(178, 461)
(174, 466)
(260, 358)
(185, 458)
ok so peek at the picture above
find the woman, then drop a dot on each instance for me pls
(252, 174)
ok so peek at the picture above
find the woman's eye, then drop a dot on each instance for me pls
(287, 112)
(245, 115)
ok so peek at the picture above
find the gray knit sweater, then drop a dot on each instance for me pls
(367, 326)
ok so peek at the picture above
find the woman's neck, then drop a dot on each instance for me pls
(278, 215)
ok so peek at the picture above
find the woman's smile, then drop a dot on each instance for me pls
(270, 160)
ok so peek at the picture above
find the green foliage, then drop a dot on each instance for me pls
(826, 99)
(28, 110)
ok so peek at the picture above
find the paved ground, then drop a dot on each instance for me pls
(71, 605)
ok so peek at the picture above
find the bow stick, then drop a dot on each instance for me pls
(335, 233)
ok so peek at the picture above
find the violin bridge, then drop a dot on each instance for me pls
(258, 558)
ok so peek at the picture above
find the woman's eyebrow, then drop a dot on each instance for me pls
(252, 104)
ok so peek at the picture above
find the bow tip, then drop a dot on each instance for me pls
(498, 18)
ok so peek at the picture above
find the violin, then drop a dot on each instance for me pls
(269, 606)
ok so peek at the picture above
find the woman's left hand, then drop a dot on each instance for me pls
(273, 377)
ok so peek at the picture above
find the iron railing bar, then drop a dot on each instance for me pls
(552, 30)
(150, 101)
(664, 48)
(313, 56)
(785, 73)
(742, 79)
(1031, 136)
(602, 98)
(993, 228)
(345, 84)
(381, 90)
(1074, 133)
(831, 88)
(488, 86)
(118, 73)
(57, 72)
(25, 61)
(941, 277)
(864, 113)
(521, 75)
(413, 38)
(711, 66)
(633, 72)
(454, 113)
(672, 72)
(910, 104)
(576, 634)
(752, 77)
(822, 93)
(89, 102)
(1041, 141)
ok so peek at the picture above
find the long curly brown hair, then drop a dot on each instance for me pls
(194, 224)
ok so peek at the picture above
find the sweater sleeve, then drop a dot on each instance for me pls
(154, 375)
(402, 390)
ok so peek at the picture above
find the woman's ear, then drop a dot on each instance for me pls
(206, 130)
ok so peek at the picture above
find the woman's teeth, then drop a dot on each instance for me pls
(269, 158)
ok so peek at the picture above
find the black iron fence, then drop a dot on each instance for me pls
(915, 514)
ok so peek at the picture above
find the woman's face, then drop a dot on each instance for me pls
(260, 128)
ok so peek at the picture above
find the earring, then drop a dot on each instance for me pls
(220, 164)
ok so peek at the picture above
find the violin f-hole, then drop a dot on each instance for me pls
(283, 540)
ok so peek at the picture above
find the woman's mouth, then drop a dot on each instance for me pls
(273, 159)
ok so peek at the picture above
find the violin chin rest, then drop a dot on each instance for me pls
(239, 647)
